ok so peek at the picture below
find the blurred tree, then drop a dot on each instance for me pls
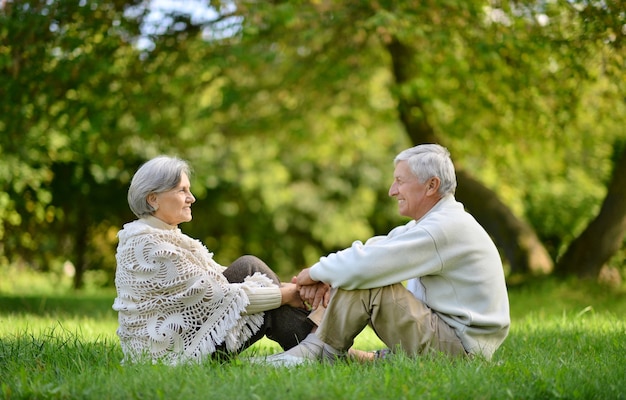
(604, 235)
(291, 112)
(73, 108)
(500, 85)
(603, 25)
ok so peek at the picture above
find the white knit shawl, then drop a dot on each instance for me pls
(173, 302)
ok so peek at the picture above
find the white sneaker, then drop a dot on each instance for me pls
(310, 350)
(285, 359)
(281, 360)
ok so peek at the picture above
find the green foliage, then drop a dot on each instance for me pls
(287, 112)
(59, 108)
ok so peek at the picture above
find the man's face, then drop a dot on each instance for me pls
(413, 197)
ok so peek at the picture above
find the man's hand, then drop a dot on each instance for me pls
(316, 295)
(312, 291)
(304, 279)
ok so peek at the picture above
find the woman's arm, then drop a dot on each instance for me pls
(271, 297)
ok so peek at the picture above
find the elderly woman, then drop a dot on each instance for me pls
(177, 304)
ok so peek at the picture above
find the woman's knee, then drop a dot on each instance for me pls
(247, 265)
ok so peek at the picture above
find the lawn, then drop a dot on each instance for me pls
(567, 340)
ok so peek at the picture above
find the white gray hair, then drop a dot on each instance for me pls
(158, 175)
(430, 160)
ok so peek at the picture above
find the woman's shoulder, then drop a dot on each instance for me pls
(141, 228)
(143, 231)
(135, 227)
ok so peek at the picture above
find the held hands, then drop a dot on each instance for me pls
(312, 292)
(304, 292)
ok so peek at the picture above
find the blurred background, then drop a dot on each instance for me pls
(291, 112)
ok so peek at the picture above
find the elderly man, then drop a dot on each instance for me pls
(455, 299)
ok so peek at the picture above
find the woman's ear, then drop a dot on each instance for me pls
(152, 200)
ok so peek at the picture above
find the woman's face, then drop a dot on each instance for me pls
(174, 206)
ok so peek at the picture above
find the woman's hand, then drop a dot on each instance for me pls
(291, 296)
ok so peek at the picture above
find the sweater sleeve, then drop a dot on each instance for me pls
(262, 293)
(407, 252)
(262, 298)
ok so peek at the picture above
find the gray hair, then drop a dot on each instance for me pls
(429, 160)
(158, 175)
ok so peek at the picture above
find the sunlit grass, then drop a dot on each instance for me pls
(567, 340)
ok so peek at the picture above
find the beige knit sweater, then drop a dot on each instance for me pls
(173, 302)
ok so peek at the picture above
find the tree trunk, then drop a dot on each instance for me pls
(514, 237)
(80, 245)
(603, 237)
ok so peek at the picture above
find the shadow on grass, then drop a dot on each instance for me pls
(78, 305)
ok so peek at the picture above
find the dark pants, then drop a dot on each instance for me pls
(285, 325)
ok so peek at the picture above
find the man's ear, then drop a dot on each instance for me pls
(433, 185)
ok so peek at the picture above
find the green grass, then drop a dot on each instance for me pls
(568, 340)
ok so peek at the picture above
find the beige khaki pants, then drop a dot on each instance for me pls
(400, 320)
